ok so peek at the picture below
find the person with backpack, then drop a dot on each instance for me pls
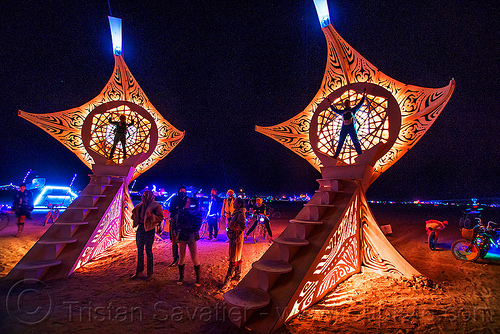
(176, 203)
(348, 114)
(188, 224)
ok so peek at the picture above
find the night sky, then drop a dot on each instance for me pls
(215, 69)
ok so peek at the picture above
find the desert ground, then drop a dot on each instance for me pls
(451, 296)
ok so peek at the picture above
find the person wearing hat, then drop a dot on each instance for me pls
(227, 207)
(22, 206)
(120, 134)
(213, 215)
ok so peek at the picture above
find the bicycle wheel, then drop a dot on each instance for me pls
(203, 229)
(257, 233)
(55, 215)
(432, 240)
(484, 250)
(4, 221)
(463, 250)
(47, 218)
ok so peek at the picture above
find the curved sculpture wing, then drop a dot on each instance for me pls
(419, 106)
(66, 126)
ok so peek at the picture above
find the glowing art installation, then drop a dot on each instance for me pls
(101, 215)
(345, 66)
(335, 235)
(66, 126)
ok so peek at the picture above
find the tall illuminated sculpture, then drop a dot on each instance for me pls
(335, 235)
(100, 216)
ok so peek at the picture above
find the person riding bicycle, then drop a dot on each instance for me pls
(259, 209)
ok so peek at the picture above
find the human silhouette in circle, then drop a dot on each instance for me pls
(348, 125)
(120, 134)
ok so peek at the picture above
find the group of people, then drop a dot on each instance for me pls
(185, 221)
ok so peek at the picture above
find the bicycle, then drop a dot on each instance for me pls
(4, 219)
(53, 213)
(204, 229)
(477, 242)
(260, 231)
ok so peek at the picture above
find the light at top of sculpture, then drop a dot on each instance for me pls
(323, 13)
(115, 24)
(393, 118)
(87, 132)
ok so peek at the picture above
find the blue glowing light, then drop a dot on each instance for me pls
(322, 10)
(116, 34)
(47, 190)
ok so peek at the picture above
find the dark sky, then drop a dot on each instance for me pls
(218, 68)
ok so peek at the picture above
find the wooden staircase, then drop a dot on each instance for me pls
(64, 246)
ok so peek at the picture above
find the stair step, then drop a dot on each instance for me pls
(291, 241)
(57, 241)
(321, 205)
(39, 264)
(307, 222)
(247, 298)
(328, 190)
(76, 207)
(273, 266)
(71, 223)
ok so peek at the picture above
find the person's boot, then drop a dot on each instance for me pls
(237, 272)
(229, 274)
(181, 274)
(20, 229)
(197, 273)
(137, 275)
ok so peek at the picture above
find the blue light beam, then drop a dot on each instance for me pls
(322, 10)
(116, 34)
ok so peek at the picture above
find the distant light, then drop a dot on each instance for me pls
(116, 34)
(322, 10)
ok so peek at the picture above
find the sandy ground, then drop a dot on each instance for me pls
(455, 297)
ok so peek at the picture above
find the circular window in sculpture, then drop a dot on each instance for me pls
(99, 131)
(375, 121)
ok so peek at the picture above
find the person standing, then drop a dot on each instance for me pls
(188, 224)
(348, 125)
(227, 207)
(177, 203)
(22, 206)
(146, 216)
(213, 215)
(120, 135)
(234, 232)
